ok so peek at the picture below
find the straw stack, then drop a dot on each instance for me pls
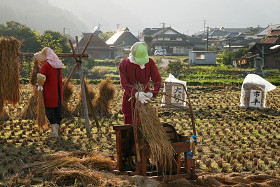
(90, 95)
(35, 71)
(41, 115)
(105, 97)
(68, 91)
(9, 71)
(161, 150)
(30, 110)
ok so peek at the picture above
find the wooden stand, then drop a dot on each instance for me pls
(185, 164)
(185, 167)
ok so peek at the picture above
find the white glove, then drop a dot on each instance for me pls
(149, 95)
(141, 97)
(40, 88)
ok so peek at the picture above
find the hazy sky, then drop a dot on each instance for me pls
(185, 16)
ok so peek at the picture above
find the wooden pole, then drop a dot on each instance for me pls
(78, 48)
(84, 100)
(59, 55)
(83, 90)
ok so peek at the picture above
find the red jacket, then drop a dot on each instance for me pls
(130, 74)
(51, 85)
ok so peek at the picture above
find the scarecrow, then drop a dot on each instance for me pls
(138, 68)
(49, 80)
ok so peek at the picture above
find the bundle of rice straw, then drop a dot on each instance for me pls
(65, 166)
(35, 71)
(41, 115)
(9, 71)
(68, 90)
(90, 95)
(161, 150)
(30, 110)
(64, 159)
(104, 98)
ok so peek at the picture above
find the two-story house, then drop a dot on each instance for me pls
(169, 39)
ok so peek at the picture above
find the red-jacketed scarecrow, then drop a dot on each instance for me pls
(135, 69)
(50, 81)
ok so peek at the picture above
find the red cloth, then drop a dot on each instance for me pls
(130, 74)
(50, 86)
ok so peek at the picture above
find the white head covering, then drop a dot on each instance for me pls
(53, 59)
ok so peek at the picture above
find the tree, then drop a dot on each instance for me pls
(23, 33)
(105, 36)
(148, 40)
(55, 40)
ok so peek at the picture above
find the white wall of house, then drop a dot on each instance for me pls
(202, 57)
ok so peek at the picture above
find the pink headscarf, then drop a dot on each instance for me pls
(53, 59)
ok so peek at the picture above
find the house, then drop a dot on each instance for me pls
(202, 57)
(196, 43)
(233, 38)
(269, 49)
(169, 39)
(267, 30)
(123, 39)
(97, 48)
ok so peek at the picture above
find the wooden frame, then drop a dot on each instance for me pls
(185, 167)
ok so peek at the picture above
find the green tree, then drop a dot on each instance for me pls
(55, 40)
(105, 36)
(148, 40)
(175, 67)
(23, 33)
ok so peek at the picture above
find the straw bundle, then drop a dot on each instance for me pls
(161, 150)
(30, 110)
(9, 71)
(90, 95)
(35, 71)
(105, 96)
(3, 115)
(68, 91)
(66, 176)
(41, 115)
(58, 161)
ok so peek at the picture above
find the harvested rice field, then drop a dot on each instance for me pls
(236, 146)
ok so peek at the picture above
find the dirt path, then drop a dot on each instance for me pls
(164, 63)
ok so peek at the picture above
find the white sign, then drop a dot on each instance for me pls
(255, 98)
(177, 94)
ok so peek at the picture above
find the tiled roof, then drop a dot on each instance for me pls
(265, 31)
(95, 41)
(122, 37)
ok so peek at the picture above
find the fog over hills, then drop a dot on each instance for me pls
(185, 16)
(41, 15)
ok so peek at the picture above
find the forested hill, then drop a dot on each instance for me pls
(40, 15)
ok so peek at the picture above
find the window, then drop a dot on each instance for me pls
(277, 58)
(200, 56)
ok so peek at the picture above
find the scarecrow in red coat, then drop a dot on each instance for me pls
(138, 68)
(51, 72)
(135, 69)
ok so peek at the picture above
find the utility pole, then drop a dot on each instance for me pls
(207, 39)
(204, 26)
(163, 26)
(64, 31)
